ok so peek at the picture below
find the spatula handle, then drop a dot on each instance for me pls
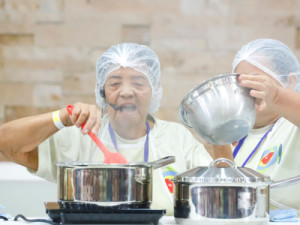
(70, 111)
(93, 136)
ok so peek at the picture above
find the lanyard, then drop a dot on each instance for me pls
(146, 147)
(237, 148)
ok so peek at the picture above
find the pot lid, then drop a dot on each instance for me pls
(213, 175)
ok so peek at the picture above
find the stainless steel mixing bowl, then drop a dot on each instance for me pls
(219, 109)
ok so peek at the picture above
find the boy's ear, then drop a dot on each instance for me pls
(292, 81)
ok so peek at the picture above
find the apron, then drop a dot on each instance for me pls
(152, 150)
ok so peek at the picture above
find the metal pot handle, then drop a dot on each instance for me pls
(222, 160)
(162, 162)
(285, 182)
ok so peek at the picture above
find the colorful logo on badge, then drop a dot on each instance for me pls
(169, 173)
(269, 158)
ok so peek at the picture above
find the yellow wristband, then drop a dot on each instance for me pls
(56, 120)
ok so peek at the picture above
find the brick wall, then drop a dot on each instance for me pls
(48, 49)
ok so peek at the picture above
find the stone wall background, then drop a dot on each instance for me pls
(48, 48)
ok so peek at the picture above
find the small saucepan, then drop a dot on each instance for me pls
(230, 195)
(108, 185)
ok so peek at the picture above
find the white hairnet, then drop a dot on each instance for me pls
(138, 57)
(271, 56)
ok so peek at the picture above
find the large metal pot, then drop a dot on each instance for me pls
(231, 195)
(108, 185)
(219, 109)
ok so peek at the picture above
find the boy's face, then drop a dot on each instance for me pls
(264, 115)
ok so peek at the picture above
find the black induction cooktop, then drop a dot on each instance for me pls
(102, 215)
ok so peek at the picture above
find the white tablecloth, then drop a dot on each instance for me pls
(166, 220)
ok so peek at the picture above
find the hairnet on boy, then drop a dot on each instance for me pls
(138, 57)
(271, 56)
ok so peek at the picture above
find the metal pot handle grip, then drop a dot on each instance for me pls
(162, 162)
(285, 182)
(222, 160)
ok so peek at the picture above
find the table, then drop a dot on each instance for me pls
(166, 220)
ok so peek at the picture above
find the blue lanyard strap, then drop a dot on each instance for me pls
(113, 137)
(239, 145)
(146, 147)
(237, 148)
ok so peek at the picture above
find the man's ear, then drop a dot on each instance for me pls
(292, 81)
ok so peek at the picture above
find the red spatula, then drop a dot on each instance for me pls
(109, 157)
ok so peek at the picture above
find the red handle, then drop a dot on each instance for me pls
(70, 111)
(93, 136)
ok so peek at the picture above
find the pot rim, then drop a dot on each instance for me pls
(211, 183)
(97, 164)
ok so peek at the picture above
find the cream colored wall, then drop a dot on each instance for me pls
(48, 48)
